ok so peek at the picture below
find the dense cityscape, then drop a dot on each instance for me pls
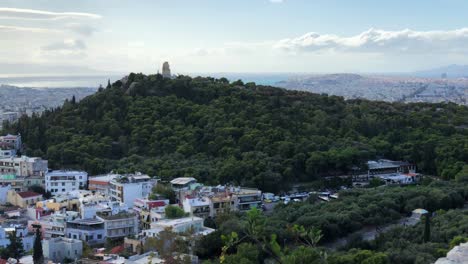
(233, 132)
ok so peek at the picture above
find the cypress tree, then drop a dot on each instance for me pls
(427, 228)
(38, 255)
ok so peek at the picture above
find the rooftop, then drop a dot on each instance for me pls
(120, 215)
(65, 173)
(385, 163)
(103, 178)
(183, 180)
(179, 221)
(28, 194)
(89, 221)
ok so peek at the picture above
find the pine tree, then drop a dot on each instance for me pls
(108, 84)
(38, 256)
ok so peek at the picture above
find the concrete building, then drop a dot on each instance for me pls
(145, 208)
(15, 182)
(127, 188)
(23, 199)
(62, 181)
(182, 183)
(23, 166)
(92, 231)
(119, 225)
(246, 198)
(384, 166)
(180, 225)
(101, 183)
(60, 248)
(199, 206)
(54, 225)
(7, 153)
(10, 142)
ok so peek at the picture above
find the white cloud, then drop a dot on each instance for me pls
(32, 14)
(82, 29)
(381, 41)
(9, 29)
(66, 45)
(277, 1)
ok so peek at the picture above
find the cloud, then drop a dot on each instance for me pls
(31, 14)
(66, 45)
(7, 29)
(277, 1)
(82, 29)
(381, 41)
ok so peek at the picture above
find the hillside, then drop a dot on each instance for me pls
(224, 132)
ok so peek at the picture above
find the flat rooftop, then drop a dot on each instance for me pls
(90, 221)
(183, 180)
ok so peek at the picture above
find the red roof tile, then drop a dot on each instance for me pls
(28, 194)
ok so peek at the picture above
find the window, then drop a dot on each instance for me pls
(63, 190)
(99, 236)
(63, 184)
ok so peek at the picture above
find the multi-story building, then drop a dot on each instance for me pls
(54, 225)
(246, 198)
(16, 183)
(120, 225)
(10, 142)
(23, 166)
(101, 183)
(199, 206)
(62, 181)
(127, 188)
(144, 208)
(60, 248)
(92, 231)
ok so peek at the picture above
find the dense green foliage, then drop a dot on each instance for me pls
(363, 207)
(288, 236)
(173, 212)
(247, 134)
(406, 245)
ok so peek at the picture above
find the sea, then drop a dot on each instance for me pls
(94, 81)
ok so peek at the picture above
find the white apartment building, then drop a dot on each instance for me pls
(180, 225)
(61, 181)
(127, 188)
(57, 249)
(23, 166)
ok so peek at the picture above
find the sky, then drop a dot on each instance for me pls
(59, 37)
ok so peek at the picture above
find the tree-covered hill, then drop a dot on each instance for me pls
(254, 135)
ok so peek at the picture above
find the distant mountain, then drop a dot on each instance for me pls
(450, 71)
(382, 88)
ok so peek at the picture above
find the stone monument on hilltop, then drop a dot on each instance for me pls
(166, 70)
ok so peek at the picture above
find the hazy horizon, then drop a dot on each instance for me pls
(81, 37)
